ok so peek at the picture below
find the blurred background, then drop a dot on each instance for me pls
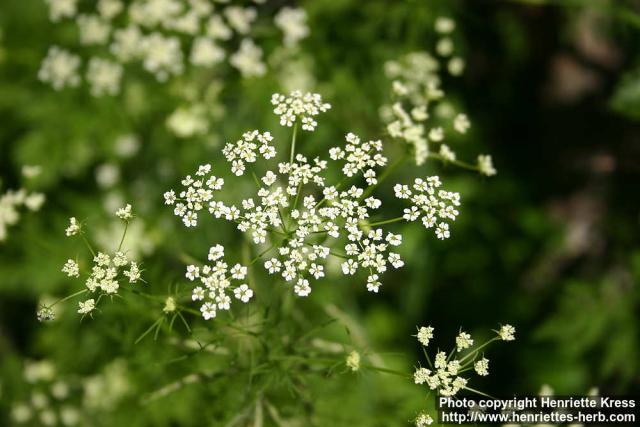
(550, 244)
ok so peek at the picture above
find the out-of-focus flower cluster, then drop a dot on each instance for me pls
(443, 374)
(420, 113)
(12, 200)
(54, 399)
(298, 219)
(165, 36)
(168, 39)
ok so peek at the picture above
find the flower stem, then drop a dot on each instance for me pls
(68, 297)
(386, 221)
(126, 226)
(385, 174)
(293, 142)
(86, 242)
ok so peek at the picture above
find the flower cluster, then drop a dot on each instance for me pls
(51, 397)
(299, 106)
(246, 150)
(301, 219)
(108, 271)
(218, 281)
(198, 192)
(165, 36)
(57, 399)
(433, 206)
(420, 113)
(360, 157)
(12, 200)
(443, 376)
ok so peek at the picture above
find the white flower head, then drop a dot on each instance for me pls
(86, 307)
(73, 228)
(425, 333)
(463, 341)
(71, 268)
(125, 213)
(293, 23)
(60, 68)
(482, 366)
(507, 333)
(299, 106)
(485, 165)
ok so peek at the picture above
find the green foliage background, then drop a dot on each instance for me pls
(550, 244)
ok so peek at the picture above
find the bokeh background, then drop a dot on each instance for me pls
(550, 244)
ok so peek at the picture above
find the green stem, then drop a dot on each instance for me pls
(478, 349)
(261, 254)
(126, 226)
(69, 297)
(479, 392)
(387, 221)
(86, 242)
(459, 163)
(385, 174)
(293, 142)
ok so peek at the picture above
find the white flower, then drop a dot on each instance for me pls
(109, 9)
(197, 294)
(60, 68)
(124, 213)
(485, 165)
(104, 77)
(463, 341)
(59, 9)
(247, 150)
(188, 121)
(373, 285)
(208, 310)
(442, 231)
(424, 420)
(169, 197)
(445, 25)
(456, 66)
(169, 305)
(482, 367)
(205, 52)
(302, 288)
(421, 375)
(446, 153)
(293, 23)
(353, 361)
(193, 272)
(507, 333)
(87, 306)
(298, 105)
(223, 301)
(248, 59)
(73, 228)
(395, 260)
(133, 273)
(93, 30)
(243, 293)
(238, 272)
(349, 267)
(71, 268)
(127, 43)
(162, 55)
(425, 333)
(461, 123)
(317, 271)
(215, 252)
(45, 314)
(239, 18)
